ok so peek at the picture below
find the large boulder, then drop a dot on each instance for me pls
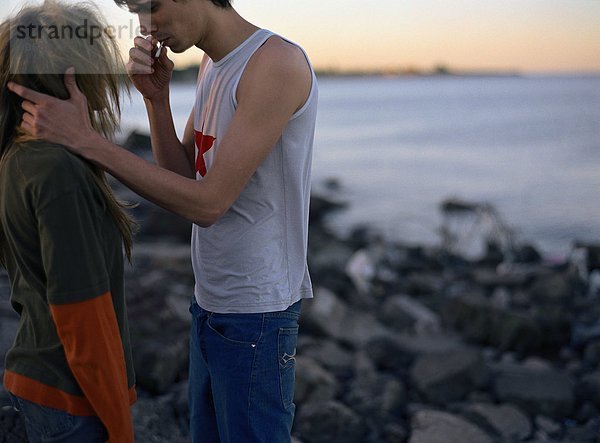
(313, 382)
(588, 388)
(329, 354)
(553, 288)
(378, 397)
(503, 421)
(479, 320)
(155, 421)
(396, 353)
(329, 422)
(328, 315)
(159, 291)
(430, 426)
(546, 392)
(446, 377)
(407, 314)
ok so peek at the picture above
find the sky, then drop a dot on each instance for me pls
(523, 35)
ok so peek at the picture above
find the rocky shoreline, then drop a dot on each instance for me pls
(402, 343)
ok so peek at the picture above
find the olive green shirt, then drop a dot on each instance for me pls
(61, 246)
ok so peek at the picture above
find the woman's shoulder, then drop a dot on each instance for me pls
(45, 165)
(44, 161)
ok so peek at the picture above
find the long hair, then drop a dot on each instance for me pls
(39, 63)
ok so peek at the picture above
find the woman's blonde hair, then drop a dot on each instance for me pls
(37, 60)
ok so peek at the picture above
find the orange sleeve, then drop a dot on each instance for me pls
(90, 336)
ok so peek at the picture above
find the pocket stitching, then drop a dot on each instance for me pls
(290, 365)
(236, 342)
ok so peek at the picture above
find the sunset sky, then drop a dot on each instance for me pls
(526, 35)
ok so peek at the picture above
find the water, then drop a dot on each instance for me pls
(529, 145)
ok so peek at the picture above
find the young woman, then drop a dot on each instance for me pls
(62, 235)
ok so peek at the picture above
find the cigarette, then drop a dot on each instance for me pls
(160, 46)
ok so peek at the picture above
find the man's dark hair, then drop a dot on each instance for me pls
(221, 3)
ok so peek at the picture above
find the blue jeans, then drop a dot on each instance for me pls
(47, 425)
(242, 374)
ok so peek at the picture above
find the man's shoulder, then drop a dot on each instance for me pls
(278, 50)
(278, 64)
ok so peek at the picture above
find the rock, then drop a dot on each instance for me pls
(504, 420)
(584, 334)
(471, 230)
(159, 329)
(594, 284)
(329, 422)
(321, 206)
(430, 426)
(396, 353)
(154, 421)
(406, 314)
(313, 383)
(12, 426)
(330, 356)
(480, 321)
(582, 434)
(334, 256)
(379, 398)
(586, 412)
(395, 433)
(159, 361)
(159, 288)
(527, 254)
(328, 315)
(501, 298)
(492, 278)
(591, 254)
(361, 268)
(446, 377)
(156, 223)
(362, 236)
(536, 363)
(363, 366)
(591, 354)
(172, 260)
(553, 289)
(327, 259)
(137, 141)
(546, 392)
(548, 426)
(588, 388)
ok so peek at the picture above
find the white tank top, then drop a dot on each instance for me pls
(254, 258)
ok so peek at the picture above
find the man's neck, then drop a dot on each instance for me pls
(225, 32)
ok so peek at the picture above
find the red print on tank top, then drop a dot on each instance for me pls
(204, 143)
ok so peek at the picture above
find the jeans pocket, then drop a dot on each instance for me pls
(46, 422)
(286, 342)
(237, 329)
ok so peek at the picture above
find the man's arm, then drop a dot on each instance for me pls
(275, 84)
(168, 152)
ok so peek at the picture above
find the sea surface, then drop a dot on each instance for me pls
(398, 146)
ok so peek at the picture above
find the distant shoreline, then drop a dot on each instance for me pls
(190, 73)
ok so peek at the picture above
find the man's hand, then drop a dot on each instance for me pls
(150, 76)
(66, 122)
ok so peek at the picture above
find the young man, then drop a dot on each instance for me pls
(241, 174)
